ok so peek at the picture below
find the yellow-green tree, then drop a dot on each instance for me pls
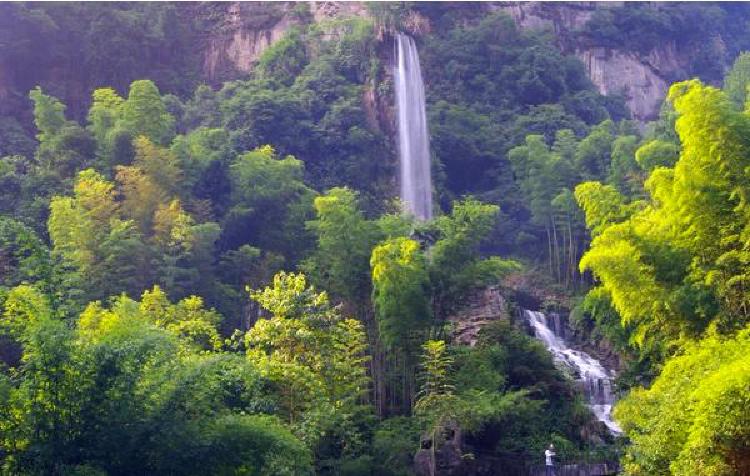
(104, 253)
(400, 291)
(401, 296)
(144, 114)
(188, 320)
(135, 387)
(149, 183)
(695, 419)
(674, 267)
(316, 356)
(345, 241)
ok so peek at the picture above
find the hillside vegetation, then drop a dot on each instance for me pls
(200, 280)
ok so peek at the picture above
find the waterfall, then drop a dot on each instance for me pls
(413, 139)
(595, 380)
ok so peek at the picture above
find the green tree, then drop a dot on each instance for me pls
(284, 60)
(49, 114)
(144, 114)
(693, 420)
(103, 116)
(623, 170)
(455, 265)
(345, 241)
(270, 203)
(92, 240)
(185, 250)
(594, 152)
(24, 256)
(64, 146)
(15, 139)
(401, 295)
(314, 355)
(737, 80)
(195, 152)
(657, 153)
(202, 110)
(542, 176)
(400, 291)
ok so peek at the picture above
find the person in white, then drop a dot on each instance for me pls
(549, 462)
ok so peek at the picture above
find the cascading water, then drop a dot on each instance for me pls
(594, 378)
(413, 139)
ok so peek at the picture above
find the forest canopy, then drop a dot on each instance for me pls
(216, 277)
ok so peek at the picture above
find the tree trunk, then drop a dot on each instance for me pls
(571, 253)
(549, 246)
(556, 249)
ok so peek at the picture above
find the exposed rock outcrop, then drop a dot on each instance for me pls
(241, 36)
(562, 17)
(481, 308)
(617, 72)
(642, 78)
(246, 29)
(327, 10)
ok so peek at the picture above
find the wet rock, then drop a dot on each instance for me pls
(247, 29)
(480, 308)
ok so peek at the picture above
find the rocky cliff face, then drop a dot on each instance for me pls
(484, 306)
(248, 28)
(245, 30)
(616, 72)
(507, 301)
(642, 78)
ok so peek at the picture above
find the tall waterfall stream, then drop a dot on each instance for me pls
(595, 380)
(413, 136)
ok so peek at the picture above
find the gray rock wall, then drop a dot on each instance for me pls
(643, 78)
(247, 29)
(482, 307)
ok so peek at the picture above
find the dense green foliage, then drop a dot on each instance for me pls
(643, 26)
(672, 271)
(98, 44)
(489, 86)
(694, 419)
(136, 388)
(217, 280)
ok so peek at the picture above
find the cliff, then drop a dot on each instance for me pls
(69, 50)
(480, 308)
(641, 77)
(246, 29)
(241, 36)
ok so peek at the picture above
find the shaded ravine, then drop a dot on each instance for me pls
(595, 380)
(413, 138)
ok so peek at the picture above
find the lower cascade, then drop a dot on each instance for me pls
(593, 377)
